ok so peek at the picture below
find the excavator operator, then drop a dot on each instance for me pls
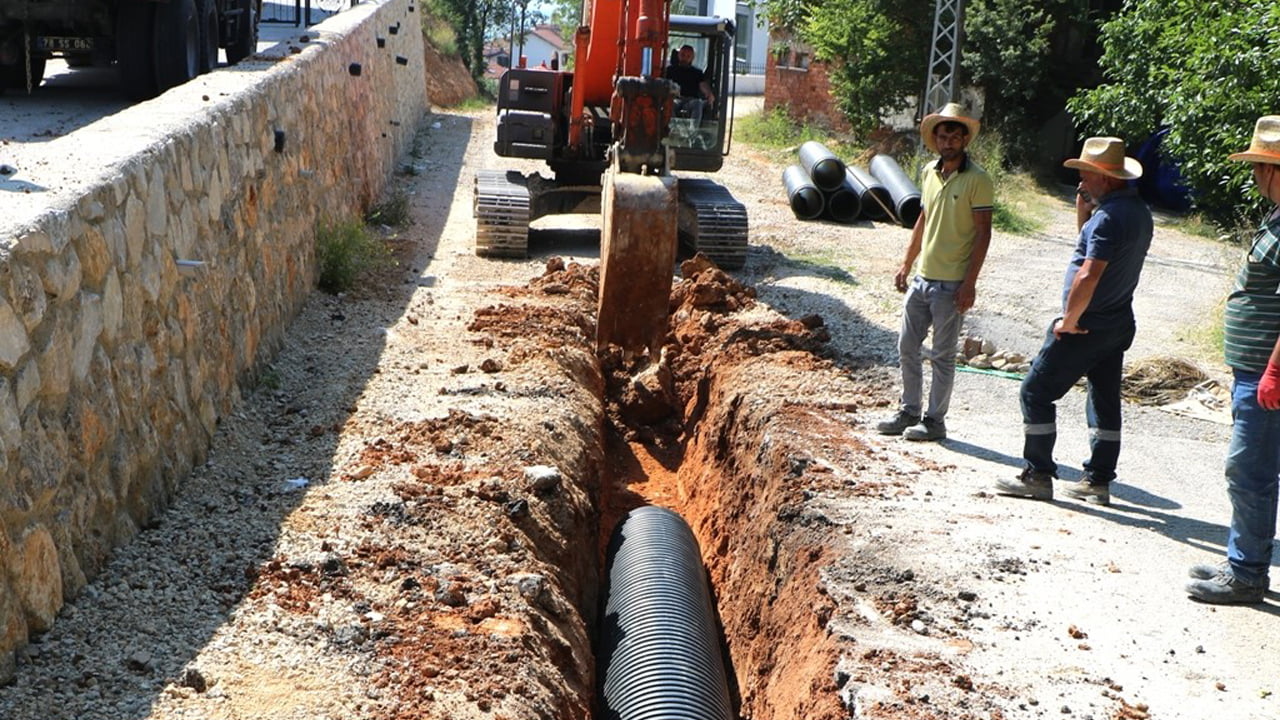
(695, 91)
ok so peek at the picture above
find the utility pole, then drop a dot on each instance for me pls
(944, 57)
(524, 5)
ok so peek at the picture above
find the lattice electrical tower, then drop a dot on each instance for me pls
(944, 56)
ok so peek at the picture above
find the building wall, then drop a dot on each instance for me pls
(160, 263)
(800, 86)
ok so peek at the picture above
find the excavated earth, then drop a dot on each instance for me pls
(406, 517)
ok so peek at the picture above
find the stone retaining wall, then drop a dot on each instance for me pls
(150, 261)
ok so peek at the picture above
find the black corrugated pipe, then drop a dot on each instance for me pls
(824, 168)
(806, 199)
(659, 647)
(876, 202)
(843, 204)
(905, 194)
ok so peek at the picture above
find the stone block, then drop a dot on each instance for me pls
(14, 341)
(62, 275)
(37, 575)
(88, 330)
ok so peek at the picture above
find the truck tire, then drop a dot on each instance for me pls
(135, 56)
(208, 10)
(177, 43)
(14, 77)
(245, 41)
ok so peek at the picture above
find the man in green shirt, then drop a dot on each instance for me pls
(1252, 345)
(949, 240)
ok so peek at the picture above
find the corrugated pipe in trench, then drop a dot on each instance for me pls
(659, 653)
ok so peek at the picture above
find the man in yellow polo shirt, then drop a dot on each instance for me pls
(950, 240)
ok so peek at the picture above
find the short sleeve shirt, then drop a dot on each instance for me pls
(1119, 234)
(688, 77)
(949, 230)
(1253, 307)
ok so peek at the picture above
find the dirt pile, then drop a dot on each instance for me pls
(448, 80)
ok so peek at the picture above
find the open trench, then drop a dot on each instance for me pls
(713, 430)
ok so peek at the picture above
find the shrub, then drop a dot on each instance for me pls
(393, 212)
(344, 251)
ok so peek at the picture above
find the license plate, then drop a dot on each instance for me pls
(64, 44)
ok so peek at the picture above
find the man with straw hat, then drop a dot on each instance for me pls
(1096, 326)
(1252, 348)
(950, 241)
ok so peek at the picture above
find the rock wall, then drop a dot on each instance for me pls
(154, 259)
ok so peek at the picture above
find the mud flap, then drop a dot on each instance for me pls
(637, 260)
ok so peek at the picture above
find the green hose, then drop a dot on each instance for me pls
(985, 371)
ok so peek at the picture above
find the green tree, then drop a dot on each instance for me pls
(877, 50)
(1008, 52)
(476, 21)
(1204, 70)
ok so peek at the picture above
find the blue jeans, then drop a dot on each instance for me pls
(1253, 477)
(1097, 356)
(929, 305)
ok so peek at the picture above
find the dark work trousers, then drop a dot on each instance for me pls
(1098, 356)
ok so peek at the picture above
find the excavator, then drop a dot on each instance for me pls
(613, 132)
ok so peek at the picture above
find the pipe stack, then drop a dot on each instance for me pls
(822, 185)
(816, 187)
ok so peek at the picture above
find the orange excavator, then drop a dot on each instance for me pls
(613, 130)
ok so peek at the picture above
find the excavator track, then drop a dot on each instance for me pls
(502, 214)
(714, 222)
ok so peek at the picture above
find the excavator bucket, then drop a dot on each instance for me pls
(637, 260)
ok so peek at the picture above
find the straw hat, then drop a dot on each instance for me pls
(1106, 155)
(951, 112)
(1265, 147)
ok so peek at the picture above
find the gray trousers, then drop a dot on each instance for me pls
(930, 305)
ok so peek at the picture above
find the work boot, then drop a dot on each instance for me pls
(1208, 571)
(1029, 484)
(1089, 491)
(928, 429)
(900, 421)
(1225, 589)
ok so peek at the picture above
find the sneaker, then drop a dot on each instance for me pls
(1208, 571)
(1090, 492)
(1029, 484)
(927, 429)
(1225, 589)
(900, 421)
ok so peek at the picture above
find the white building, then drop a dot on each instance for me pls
(752, 40)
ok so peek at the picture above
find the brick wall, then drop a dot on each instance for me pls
(802, 86)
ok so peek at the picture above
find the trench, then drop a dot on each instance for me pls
(717, 428)
(697, 433)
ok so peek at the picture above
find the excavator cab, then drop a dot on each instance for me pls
(700, 132)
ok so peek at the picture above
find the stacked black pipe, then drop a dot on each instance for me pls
(904, 193)
(660, 655)
(821, 185)
(816, 187)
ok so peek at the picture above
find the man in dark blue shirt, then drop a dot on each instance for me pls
(694, 88)
(1094, 330)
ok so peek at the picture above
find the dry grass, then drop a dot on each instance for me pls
(1160, 380)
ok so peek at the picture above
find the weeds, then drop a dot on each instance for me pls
(776, 130)
(483, 101)
(393, 212)
(344, 251)
(440, 34)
